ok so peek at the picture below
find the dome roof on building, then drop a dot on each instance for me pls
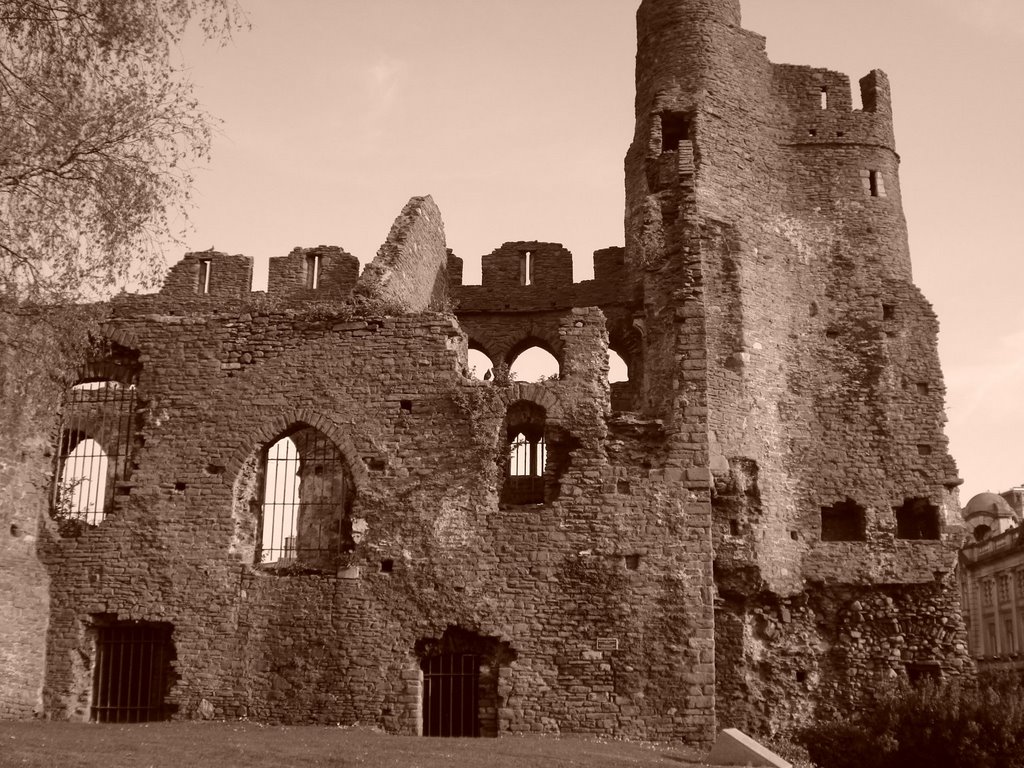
(989, 504)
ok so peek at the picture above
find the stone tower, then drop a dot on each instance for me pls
(790, 351)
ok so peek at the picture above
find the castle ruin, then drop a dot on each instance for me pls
(307, 511)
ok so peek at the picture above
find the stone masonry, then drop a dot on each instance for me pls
(760, 525)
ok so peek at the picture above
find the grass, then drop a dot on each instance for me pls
(250, 745)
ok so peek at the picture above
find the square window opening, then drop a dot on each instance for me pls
(676, 127)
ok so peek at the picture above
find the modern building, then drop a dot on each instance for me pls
(992, 580)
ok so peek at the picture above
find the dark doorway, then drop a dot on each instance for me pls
(132, 672)
(451, 685)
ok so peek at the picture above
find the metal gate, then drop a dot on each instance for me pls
(130, 679)
(451, 699)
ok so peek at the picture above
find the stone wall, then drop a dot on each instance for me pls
(602, 593)
(24, 583)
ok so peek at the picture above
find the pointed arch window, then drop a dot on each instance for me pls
(306, 497)
(534, 363)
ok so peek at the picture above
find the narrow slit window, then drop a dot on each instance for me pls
(824, 97)
(526, 262)
(205, 266)
(877, 184)
(313, 271)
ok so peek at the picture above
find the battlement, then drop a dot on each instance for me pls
(209, 274)
(821, 107)
(533, 276)
(322, 272)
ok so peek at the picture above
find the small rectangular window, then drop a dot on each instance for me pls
(675, 127)
(205, 267)
(845, 521)
(824, 97)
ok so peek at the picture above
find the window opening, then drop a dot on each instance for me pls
(617, 369)
(526, 268)
(923, 673)
(313, 271)
(917, 520)
(844, 521)
(527, 454)
(876, 184)
(987, 592)
(534, 364)
(451, 685)
(93, 452)
(132, 672)
(824, 97)
(676, 127)
(82, 492)
(1003, 587)
(205, 267)
(528, 458)
(981, 532)
(304, 514)
(1011, 646)
(480, 365)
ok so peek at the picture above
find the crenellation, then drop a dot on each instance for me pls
(313, 273)
(209, 274)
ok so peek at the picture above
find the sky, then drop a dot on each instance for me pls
(516, 116)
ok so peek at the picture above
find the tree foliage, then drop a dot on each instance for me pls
(99, 131)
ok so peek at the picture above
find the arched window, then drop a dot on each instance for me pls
(480, 365)
(534, 364)
(617, 368)
(527, 454)
(82, 492)
(93, 452)
(306, 498)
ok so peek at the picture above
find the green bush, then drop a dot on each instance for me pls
(929, 726)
